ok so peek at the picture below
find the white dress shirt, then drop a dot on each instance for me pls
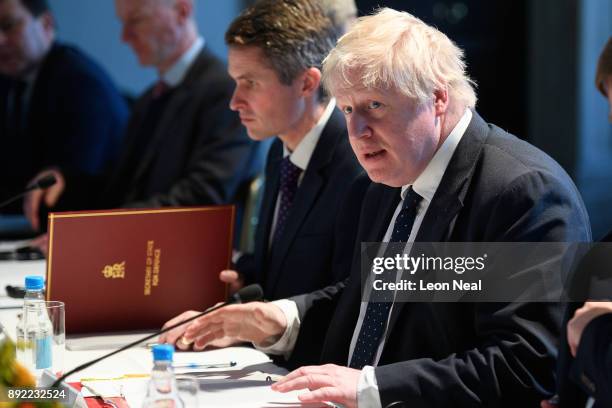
(425, 185)
(175, 75)
(302, 154)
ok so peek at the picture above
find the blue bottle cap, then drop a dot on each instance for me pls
(34, 282)
(163, 352)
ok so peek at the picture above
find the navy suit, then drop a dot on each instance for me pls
(74, 120)
(589, 373)
(495, 188)
(186, 148)
(593, 364)
(313, 240)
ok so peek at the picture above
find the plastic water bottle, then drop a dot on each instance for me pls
(163, 391)
(35, 331)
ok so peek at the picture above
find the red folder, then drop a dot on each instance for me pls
(120, 270)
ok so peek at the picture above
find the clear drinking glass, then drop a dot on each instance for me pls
(188, 390)
(41, 337)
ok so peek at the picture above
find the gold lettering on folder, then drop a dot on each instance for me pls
(152, 267)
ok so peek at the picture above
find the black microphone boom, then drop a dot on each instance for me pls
(247, 294)
(45, 182)
(42, 183)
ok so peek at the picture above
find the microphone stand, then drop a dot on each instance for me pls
(43, 183)
(236, 298)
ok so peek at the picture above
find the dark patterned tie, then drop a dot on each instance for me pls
(160, 88)
(290, 173)
(377, 313)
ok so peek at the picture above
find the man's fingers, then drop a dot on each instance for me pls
(199, 327)
(173, 335)
(40, 242)
(31, 206)
(229, 276)
(202, 341)
(310, 381)
(52, 194)
(321, 395)
(302, 371)
(182, 344)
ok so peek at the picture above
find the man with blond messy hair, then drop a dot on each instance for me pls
(441, 174)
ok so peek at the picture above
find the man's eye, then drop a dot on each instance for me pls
(374, 105)
(347, 110)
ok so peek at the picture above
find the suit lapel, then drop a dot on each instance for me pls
(375, 218)
(131, 132)
(313, 181)
(439, 220)
(268, 205)
(178, 99)
(381, 216)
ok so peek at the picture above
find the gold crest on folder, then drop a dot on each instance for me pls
(115, 271)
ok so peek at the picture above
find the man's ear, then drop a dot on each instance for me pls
(441, 101)
(311, 79)
(47, 22)
(184, 10)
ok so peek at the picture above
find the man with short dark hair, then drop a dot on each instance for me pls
(58, 108)
(275, 53)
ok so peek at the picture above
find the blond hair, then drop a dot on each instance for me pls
(395, 49)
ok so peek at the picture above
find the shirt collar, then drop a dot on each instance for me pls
(177, 72)
(303, 152)
(429, 180)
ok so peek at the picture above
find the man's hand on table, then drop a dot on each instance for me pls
(326, 383)
(257, 322)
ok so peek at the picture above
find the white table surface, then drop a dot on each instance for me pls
(239, 386)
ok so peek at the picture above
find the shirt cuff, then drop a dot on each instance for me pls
(367, 389)
(284, 346)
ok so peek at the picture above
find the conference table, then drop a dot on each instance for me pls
(124, 376)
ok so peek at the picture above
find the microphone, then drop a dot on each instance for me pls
(42, 183)
(247, 294)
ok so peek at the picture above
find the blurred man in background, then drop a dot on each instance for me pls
(58, 108)
(183, 145)
(585, 362)
(342, 13)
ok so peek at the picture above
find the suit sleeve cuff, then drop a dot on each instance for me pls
(284, 346)
(367, 389)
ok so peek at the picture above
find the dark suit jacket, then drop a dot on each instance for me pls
(197, 154)
(496, 188)
(593, 364)
(589, 373)
(75, 121)
(313, 240)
